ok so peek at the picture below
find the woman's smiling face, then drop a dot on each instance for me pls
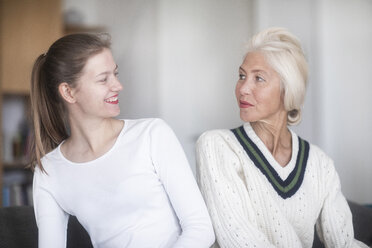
(98, 87)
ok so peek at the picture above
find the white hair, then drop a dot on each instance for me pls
(282, 50)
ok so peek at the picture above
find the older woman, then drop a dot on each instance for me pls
(265, 186)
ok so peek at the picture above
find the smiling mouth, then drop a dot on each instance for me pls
(112, 100)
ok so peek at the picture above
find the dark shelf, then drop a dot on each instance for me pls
(18, 165)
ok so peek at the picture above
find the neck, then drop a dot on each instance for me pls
(274, 134)
(93, 135)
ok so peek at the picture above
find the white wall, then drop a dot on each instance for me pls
(337, 38)
(200, 51)
(178, 60)
(133, 26)
(346, 82)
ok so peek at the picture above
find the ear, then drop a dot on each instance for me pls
(66, 92)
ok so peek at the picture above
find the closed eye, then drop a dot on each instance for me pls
(103, 80)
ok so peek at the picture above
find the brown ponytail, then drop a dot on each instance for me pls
(63, 62)
(49, 128)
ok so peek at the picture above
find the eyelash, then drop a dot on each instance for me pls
(103, 80)
(260, 79)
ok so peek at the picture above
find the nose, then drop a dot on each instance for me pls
(116, 85)
(246, 87)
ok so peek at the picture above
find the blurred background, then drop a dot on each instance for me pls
(179, 59)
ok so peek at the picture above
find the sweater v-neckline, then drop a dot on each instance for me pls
(283, 171)
(266, 163)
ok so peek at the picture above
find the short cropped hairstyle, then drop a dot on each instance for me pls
(282, 50)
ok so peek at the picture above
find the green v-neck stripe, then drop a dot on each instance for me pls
(285, 188)
(259, 159)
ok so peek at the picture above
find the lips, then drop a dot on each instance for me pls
(244, 104)
(112, 100)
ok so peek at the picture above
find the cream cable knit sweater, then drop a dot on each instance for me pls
(247, 211)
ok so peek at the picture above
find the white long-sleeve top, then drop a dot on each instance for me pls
(267, 205)
(141, 193)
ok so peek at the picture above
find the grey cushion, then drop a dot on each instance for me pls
(18, 230)
(17, 227)
(362, 221)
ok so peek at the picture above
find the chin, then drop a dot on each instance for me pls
(246, 118)
(115, 114)
(111, 114)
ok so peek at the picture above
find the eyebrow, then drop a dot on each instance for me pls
(254, 71)
(107, 72)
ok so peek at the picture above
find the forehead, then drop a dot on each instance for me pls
(99, 62)
(256, 61)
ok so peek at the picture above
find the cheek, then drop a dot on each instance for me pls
(91, 95)
(271, 99)
(265, 95)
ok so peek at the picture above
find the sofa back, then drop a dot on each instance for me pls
(18, 229)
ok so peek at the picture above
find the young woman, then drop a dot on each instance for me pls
(127, 181)
(264, 186)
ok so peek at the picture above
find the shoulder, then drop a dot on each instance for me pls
(154, 129)
(215, 136)
(145, 125)
(49, 161)
(217, 142)
(218, 151)
(43, 176)
(317, 155)
(321, 164)
(145, 122)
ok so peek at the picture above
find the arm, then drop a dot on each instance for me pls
(226, 195)
(334, 226)
(50, 218)
(174, 172)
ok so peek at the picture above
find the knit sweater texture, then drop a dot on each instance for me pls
(250, 208)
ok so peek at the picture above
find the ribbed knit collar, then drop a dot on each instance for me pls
(286, 181)
(283, 172)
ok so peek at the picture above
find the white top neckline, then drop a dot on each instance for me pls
(69, 162)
